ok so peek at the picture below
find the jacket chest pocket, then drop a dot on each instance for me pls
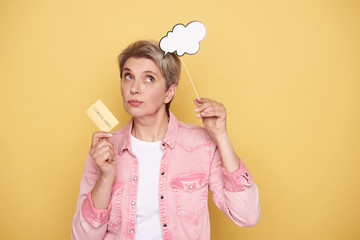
(114, 222)
(190, 193)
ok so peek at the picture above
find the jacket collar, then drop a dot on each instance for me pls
(169, 139)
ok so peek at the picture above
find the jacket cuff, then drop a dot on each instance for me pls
(237, 180)
(96, 217)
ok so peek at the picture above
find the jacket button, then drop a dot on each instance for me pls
(135, 178)
(162, 173)
(131, 231)
(162, 197)
(163, 144)
(165, 225)
(132, 203)
(191, 186)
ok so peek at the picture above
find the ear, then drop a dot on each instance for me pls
(170, 93)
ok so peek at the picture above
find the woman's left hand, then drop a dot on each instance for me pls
(213, 115)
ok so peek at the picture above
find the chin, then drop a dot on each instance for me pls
(141, 112)
(134, 112)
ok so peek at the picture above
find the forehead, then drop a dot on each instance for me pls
(141, 65)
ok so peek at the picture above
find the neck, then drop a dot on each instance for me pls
(151, 128)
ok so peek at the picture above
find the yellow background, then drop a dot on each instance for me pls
(287, 71)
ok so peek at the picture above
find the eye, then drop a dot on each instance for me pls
(128, 76)
(149, 79)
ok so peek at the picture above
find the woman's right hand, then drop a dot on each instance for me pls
(102, 152)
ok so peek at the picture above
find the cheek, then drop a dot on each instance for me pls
(157, 96)
(122, 87)
(122, 92)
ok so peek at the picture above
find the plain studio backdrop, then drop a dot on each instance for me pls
(288, 73)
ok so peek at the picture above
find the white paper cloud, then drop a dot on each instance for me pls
(184, 39)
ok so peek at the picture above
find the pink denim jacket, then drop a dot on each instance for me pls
(191, 165)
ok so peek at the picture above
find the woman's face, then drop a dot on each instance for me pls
(143, 88)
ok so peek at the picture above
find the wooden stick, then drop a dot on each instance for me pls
(190, 77)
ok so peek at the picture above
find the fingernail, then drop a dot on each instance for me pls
(109, 134)
(198, 115)
(196, 110)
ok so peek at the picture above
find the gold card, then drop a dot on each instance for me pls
(102, 116)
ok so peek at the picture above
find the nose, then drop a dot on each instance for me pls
(135, 87)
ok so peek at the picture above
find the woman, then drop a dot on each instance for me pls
(150, 179)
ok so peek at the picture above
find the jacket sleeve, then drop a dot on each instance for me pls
(88, 222)
(234, 193)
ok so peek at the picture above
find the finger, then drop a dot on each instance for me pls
(199, 101)
(209, 113)
(202, 100)
(212, 113)
(206, 105)
(97, 136)
(104, 142)
(200, 110)
(104, 156)
(217, 110)
(100, 144)
(96, 155)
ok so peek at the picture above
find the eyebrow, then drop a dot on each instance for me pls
(147, 72)
(151, 72)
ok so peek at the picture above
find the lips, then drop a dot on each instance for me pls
(135, 103)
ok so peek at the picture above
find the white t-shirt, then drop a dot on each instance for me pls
(149, 155)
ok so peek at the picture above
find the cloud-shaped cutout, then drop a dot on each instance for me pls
(184, 39)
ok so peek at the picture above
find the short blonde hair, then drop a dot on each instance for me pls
(169, 65)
